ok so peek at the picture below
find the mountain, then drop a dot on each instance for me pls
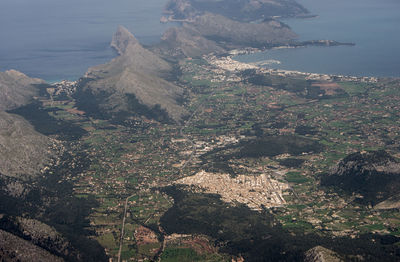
(241, 10)
(223, 29)
(23, 151)
(16, 89)
(38, 234)
(214, 33)
(132, 83)
(180, 42)
(374, 175)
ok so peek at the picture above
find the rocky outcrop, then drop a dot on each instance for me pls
(374, 175)
(137, 73)
(321, 254)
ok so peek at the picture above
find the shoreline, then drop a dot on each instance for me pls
(228, 63)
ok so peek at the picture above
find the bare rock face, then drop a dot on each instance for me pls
(16, 89)
(23, 151)
(13, 248)
(137, 72)
(321, 254)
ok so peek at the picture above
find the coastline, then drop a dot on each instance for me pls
(228, 63)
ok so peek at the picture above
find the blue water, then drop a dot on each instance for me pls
(373, 25)
(60, 39)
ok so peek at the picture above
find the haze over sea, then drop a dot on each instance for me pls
(373, 25)
(60, 39)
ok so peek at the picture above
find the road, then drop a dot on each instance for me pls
(121, 240)
(189, 159)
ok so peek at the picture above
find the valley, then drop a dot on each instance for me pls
(185, 154)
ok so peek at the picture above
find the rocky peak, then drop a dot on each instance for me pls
(122, 39)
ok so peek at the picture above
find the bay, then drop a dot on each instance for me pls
(373, 25)
(60, 39)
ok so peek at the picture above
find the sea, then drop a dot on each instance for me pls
(373, 25)
(60, 39)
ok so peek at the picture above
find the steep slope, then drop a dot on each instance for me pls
(374, 175)
(132, 55)
(13, 248)
(16, 89)
(221, 28)
(39, 234)
(186, 42)
(135, 77)
(209, 32)
(23, 151)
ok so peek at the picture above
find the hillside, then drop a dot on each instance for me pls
(216, 33)
(185, 41)
(374, 175)
(13, 248)
(241, 10)
(134, 80)
(23, 151)
(16, 89)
